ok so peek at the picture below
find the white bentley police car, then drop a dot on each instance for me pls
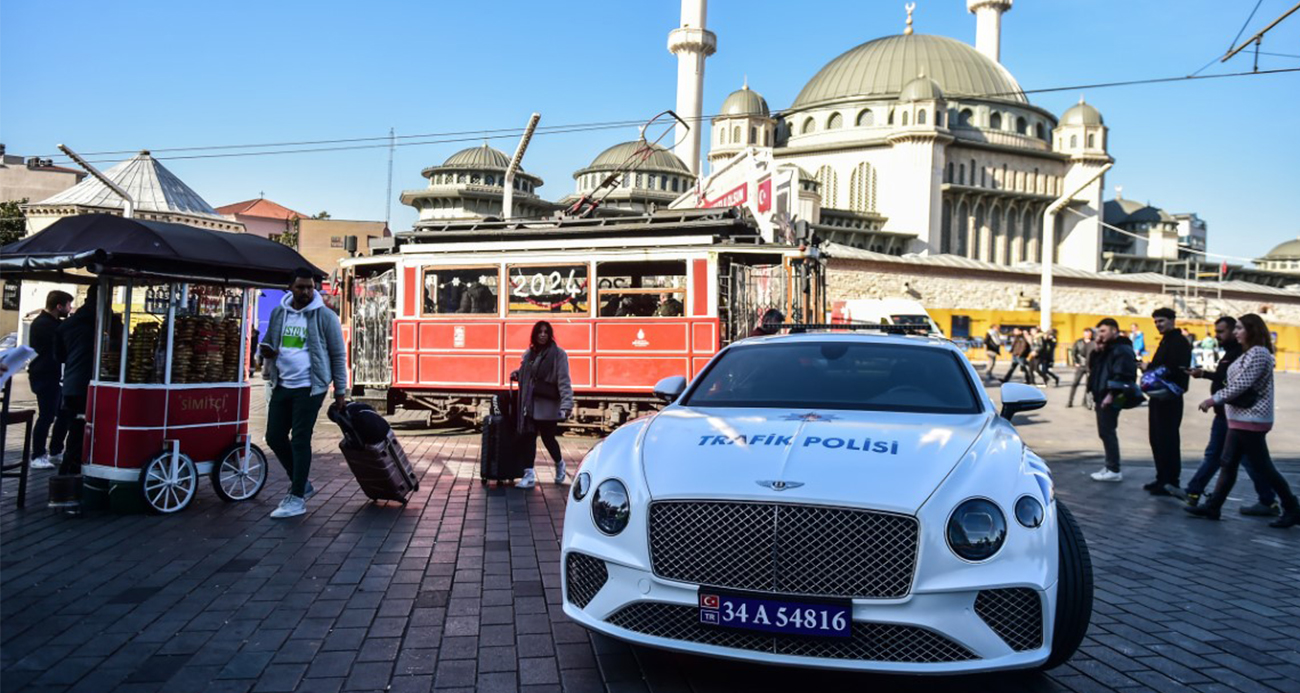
(830, 500)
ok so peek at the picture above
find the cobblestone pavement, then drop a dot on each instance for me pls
(460, 589)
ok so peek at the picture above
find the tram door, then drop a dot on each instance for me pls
(372, 330)
(747, 291)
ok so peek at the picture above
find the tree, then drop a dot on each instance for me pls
(13, 225)
(321, 215)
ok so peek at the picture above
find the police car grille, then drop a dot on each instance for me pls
(871, 642)
(784, 549)
(583, 578)
(1016, 615)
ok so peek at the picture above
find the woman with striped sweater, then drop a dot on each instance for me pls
(1248, 398)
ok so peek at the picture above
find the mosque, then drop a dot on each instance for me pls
(911, 143)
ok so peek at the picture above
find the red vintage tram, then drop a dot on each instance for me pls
(438, 318)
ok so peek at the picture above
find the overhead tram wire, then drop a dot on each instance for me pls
(507, 133)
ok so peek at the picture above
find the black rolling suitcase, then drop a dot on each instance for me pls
(374, 454)
(499, 457)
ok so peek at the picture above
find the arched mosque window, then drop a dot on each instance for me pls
(866, 118)
(1022, 126)
(995, 121)
(904, 118)
(920, 117)
(808, 126)
(1074, 141)
(835, 122)
(963, 118)
(1092, 140)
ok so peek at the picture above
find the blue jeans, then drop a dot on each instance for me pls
(1210, 465)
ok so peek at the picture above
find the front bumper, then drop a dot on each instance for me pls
(939, 632)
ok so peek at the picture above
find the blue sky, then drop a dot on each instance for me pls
(139, 74)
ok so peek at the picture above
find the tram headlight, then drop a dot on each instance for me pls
(611, 507)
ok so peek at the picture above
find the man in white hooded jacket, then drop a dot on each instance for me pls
(303, 354)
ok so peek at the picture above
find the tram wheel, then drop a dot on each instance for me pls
(168, 483)
(236, 477)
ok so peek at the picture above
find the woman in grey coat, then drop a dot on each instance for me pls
(545, 399)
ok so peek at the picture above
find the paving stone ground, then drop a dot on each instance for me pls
(459, 590)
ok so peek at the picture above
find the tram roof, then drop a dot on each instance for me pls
(724, 225)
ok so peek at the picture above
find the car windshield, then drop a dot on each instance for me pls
(838, 375)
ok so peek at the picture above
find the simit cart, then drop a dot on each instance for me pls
(169, 399)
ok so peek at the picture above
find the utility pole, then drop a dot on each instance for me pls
(388, 194)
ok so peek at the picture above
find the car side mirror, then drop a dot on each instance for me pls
(670, 388)
(1017, 397)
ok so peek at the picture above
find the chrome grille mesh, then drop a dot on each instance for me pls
(583, 578)
(784, 549)
(1015, 614)
(871, 642)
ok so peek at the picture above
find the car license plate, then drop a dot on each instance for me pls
(748, 612)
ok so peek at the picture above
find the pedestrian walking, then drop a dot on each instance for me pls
(75, 347)
(1139, 341)
(992, 349)
(1248, 398)
(302, 354)
(44, 376)
(1020, 353)
(1082, 351)
(1047, 357)
(1267, 504)
(545, 399)
(769, 324)
(1165, 414)
(1112, 366)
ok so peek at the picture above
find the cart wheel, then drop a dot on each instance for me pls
(168, 485)
(239, 478)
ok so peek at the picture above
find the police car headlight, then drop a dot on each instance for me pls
(976, 529)
(581, 486)
(610, 507)
(1029, 512)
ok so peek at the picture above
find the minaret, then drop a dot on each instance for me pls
(988, 25)
(691, 43)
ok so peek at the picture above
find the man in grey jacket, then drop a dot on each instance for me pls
(303, 354)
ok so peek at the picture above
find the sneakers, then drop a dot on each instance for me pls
(529, 480)
(57, 459)
(560, 472)
(43, 462)
(291, 506)
(1151, 487)
(1205, 512)
(1176, 492)
(1107, 475)
(1290, 519)
(311, 491)
(1261, 510)
(1193, 499)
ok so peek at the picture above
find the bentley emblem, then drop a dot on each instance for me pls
(810, 416)
(778, 485)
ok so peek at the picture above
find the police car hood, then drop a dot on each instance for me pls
(882, 460)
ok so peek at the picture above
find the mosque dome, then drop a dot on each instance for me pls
(1286, 251)
(1081, 114)
(660, 159)
(921, 89)
(881, 68)
(482, 158)
(745, 102)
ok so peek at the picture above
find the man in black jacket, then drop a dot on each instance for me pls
(1082, 353)
(1166, 413)
(1112, 364)
(1267, 505)
(43, 376)
(76, 348)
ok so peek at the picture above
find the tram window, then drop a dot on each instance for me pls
(641, 289)
(548, 289)
(462, 290)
